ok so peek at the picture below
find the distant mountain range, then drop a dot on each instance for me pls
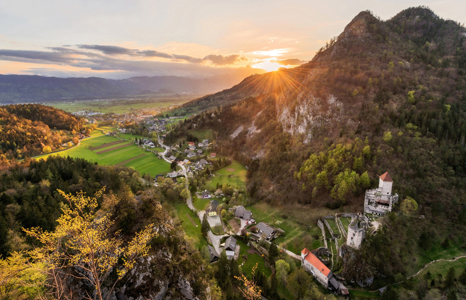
(31, 88)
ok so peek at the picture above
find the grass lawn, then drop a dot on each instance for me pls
(148, 163)
(355, 294)
(190, 230)
(251, 261)
(298, 235)
(130, 137)
(203, 134)
(234, 175)
(345, 222)
(442, 267)
(333, 225)
(437, 252)
(200, 204)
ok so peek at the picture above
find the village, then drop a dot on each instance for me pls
(232, 225)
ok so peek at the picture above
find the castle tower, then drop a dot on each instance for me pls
(356, 233)
(385, 183)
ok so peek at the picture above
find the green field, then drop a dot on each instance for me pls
(333, 225)
(251, 261)
(191, 231)
(122, 105)
(442, 267)
(356, 294)
(234, 175)
(148, 163)
(203, 134)
(297, 234)
(345, 222)
(200, 203)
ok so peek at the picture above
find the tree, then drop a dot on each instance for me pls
(173, 165)
(299, 282)
(83, 242)
(205, 227)
(452, 295)
(273, 253)
(387, 137)
(250, 290)
(408, 205)
(389, 294)
(47, 149)
(462, 278)
(450, 279)
(365, 180)
(185, 193)
(282, 268)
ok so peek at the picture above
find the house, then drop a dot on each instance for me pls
(211, 211)
(321, 272)
(199, 151)
(203, 162)
(213, 254)
(243, 213)
(186, 161)
(230, 247)
(191, 154)
(380, 201)
(205, 142)
(266, 229)
(172, 158)
(219, 193)
(213, 154)
(191, 143)
(192, 148)
(206, 194)
(172, 174)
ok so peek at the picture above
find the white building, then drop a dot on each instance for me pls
(380, 201)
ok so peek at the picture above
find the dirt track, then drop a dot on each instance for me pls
(114, 148)
(106, 145)
(128, 160)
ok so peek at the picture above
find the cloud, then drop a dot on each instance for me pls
(123, 60)
(109, 50)
(220, 60)
(290, 62)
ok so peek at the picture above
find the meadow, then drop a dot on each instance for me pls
(121, 154)
(121, 105)
(234, 175)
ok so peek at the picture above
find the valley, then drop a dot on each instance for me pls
(338, 178)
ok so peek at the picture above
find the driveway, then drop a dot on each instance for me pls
(215, 240)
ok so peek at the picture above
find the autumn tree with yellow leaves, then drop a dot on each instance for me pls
(249, 290)
(84, 245)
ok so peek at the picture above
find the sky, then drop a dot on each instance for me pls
(195, 38)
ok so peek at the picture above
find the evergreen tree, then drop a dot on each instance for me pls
(450, 279)
(463, 277)
(452, 295)
(273, 253)
(205, 227)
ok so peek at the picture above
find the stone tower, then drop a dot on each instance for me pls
(385, 184)
(356, 232)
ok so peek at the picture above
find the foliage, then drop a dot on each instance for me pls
(408, 205)
(250, 290)
(83, 242)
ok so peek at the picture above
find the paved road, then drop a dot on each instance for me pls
(189, 201)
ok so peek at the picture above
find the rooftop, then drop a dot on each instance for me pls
(316, 262)
(386, 177)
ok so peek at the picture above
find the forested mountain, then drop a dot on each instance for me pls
(382, 96)
(30, 197)
(26, 88)
(27, 129)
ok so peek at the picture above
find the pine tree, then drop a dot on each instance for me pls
(462, 278)
(273, 253)
(450, 280)
(205, 227)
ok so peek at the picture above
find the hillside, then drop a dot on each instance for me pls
(382, 96)
(25, 88)
(27, 129)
